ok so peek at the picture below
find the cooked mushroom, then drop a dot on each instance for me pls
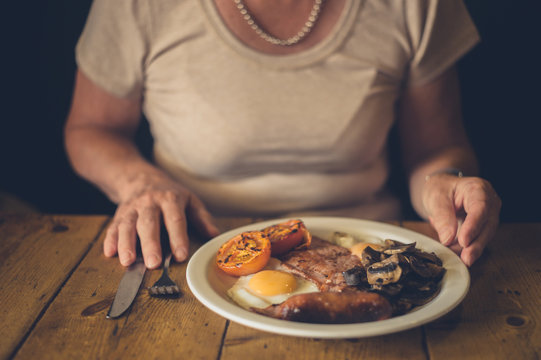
(432, 257)
(355, 276)
(390, 243)
(420, 296)
(405, 275)
(395, 247)
(414, 282)
(401, 307)
(390, 289)
(425, 269)
(384, 272)
(404, 264)
(370, 256)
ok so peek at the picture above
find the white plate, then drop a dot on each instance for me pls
(209, 285)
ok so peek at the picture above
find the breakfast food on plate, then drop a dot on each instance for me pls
(358, 248)
(244, 254)
(331, 308)
(309, 279)
(322, 263)
(287, 235)
(404, 274)
(268, 287)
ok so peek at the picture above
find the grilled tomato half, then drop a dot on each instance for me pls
(287, 235)
(245, 254)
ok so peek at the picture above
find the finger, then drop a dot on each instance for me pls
(201, 218)
(148, 228)
(175, 222)
(473, 251)
(482, 207)
(127, 238)
(474, 223)
(111, 240)
(443, 219)
(455, 247)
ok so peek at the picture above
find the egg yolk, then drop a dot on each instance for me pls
(272, 282)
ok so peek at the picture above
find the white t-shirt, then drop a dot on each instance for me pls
(258, 134)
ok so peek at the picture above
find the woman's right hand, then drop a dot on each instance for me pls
(143, 205)
(99, 142)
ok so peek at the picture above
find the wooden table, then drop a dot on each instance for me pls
(56, 287)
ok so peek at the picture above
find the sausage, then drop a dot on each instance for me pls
(331, 308)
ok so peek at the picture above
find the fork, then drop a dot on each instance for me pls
(165, 287)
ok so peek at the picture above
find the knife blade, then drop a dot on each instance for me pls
(127, 289)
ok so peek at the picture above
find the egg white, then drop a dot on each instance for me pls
(241, 294)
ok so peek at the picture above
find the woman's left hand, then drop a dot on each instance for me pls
(464, 211)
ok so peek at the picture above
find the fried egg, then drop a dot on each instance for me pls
(269, 286)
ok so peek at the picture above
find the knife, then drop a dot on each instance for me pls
(127, 289)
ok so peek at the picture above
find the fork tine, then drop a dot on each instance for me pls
(165, 287)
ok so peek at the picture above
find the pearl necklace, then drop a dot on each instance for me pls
(308, 25)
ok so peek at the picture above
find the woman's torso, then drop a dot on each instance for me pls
(257, 133)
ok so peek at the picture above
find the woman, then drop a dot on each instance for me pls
(278, 108)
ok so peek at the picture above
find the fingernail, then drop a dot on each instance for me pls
(125, 258)
(473, 256)
(447, 236)
(153, 261)
(180, 254)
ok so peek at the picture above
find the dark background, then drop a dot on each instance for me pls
(499, 79)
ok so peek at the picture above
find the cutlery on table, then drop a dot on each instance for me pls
(127, 289)
(165, 286)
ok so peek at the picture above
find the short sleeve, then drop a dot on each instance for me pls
(111, 49)
(441, 32)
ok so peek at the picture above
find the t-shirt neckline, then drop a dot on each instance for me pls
(313, 54)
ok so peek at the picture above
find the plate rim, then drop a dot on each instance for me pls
(203, 259)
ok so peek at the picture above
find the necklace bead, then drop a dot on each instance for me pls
(306, 29)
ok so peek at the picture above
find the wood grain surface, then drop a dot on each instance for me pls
(57, 286)
(166, 326)
(499, 318)
(37, 255)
